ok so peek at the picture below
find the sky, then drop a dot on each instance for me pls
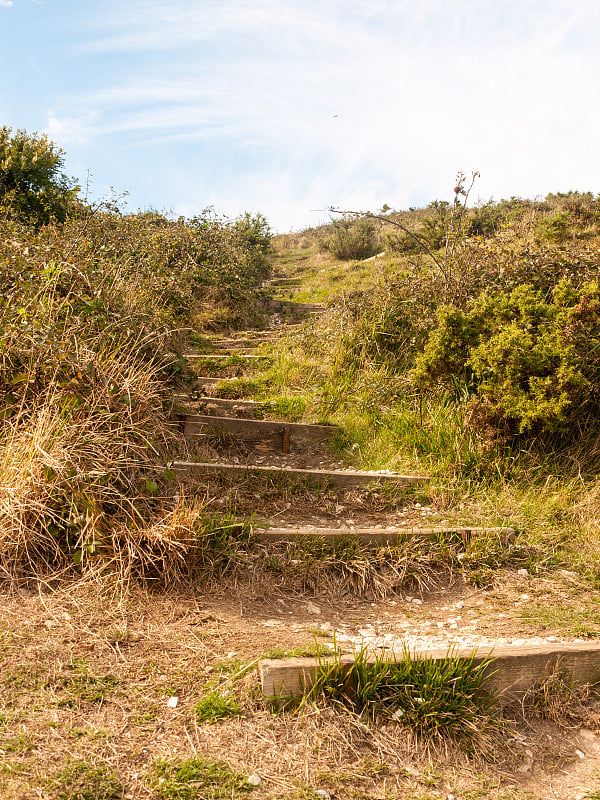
(289, 107)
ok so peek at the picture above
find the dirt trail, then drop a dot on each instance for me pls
(444, 612)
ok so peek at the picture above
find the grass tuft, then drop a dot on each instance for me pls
(197, 779)
(80, 780)
(436, 698)
(217, 704)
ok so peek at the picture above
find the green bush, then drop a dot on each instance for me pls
(555, 229)
(352, 238)
(533, 361)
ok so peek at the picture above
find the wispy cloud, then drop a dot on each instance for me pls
(6, 3)
(350, 102)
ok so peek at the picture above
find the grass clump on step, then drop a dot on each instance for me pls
(436, 698)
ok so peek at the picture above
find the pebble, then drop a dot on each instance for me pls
(322, 794)
(254, 780)
(523, 572)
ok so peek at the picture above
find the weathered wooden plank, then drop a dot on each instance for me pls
(377, 536)
(211, 380)
(237, 344)
(294, 308)
(220, 402)
(278, 433)
(513, 671)
(221, 356)
(285, 281)
(341, 478)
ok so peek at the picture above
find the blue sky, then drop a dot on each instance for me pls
(291, 106)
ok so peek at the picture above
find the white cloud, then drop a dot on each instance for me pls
(69, 130)
(6, 3)
(287, 106)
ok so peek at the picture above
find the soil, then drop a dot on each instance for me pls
(156, 647)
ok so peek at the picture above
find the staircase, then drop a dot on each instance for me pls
(244, 441)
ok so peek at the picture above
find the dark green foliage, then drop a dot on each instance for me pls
(555, 229)
(254, 235)
(534, 362)
(33, 187)
(352, 239)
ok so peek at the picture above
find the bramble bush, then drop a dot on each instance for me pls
(93, 313)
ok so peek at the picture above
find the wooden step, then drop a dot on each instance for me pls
(513, 671)
(239, 344)
(340, 478)
(285, 282)
(211, 380)
(376, 537)
(247, 406)
(220, 356)
(283, 436)
(294, 309)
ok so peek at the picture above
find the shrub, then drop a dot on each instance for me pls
(89, 319)
(352, 239)
(33, 187)
(555, 229)
(534, 362)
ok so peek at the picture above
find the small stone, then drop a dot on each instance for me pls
(172, 702)
(579, 754)
(254, 780)
(523, 572)
(323, 794)
(417, 602)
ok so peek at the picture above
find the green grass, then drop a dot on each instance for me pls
(306, 651)
(197, 779)
(217, 704)
(581, 621)
(81, 780)
(83, 687)
(435, 698)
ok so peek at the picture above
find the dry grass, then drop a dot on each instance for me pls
(86, 677)
(68, 473)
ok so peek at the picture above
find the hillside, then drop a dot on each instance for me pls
(223, 450)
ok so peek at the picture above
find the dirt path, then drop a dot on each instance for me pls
(112, 682)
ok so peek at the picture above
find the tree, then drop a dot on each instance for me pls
(33, 186)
